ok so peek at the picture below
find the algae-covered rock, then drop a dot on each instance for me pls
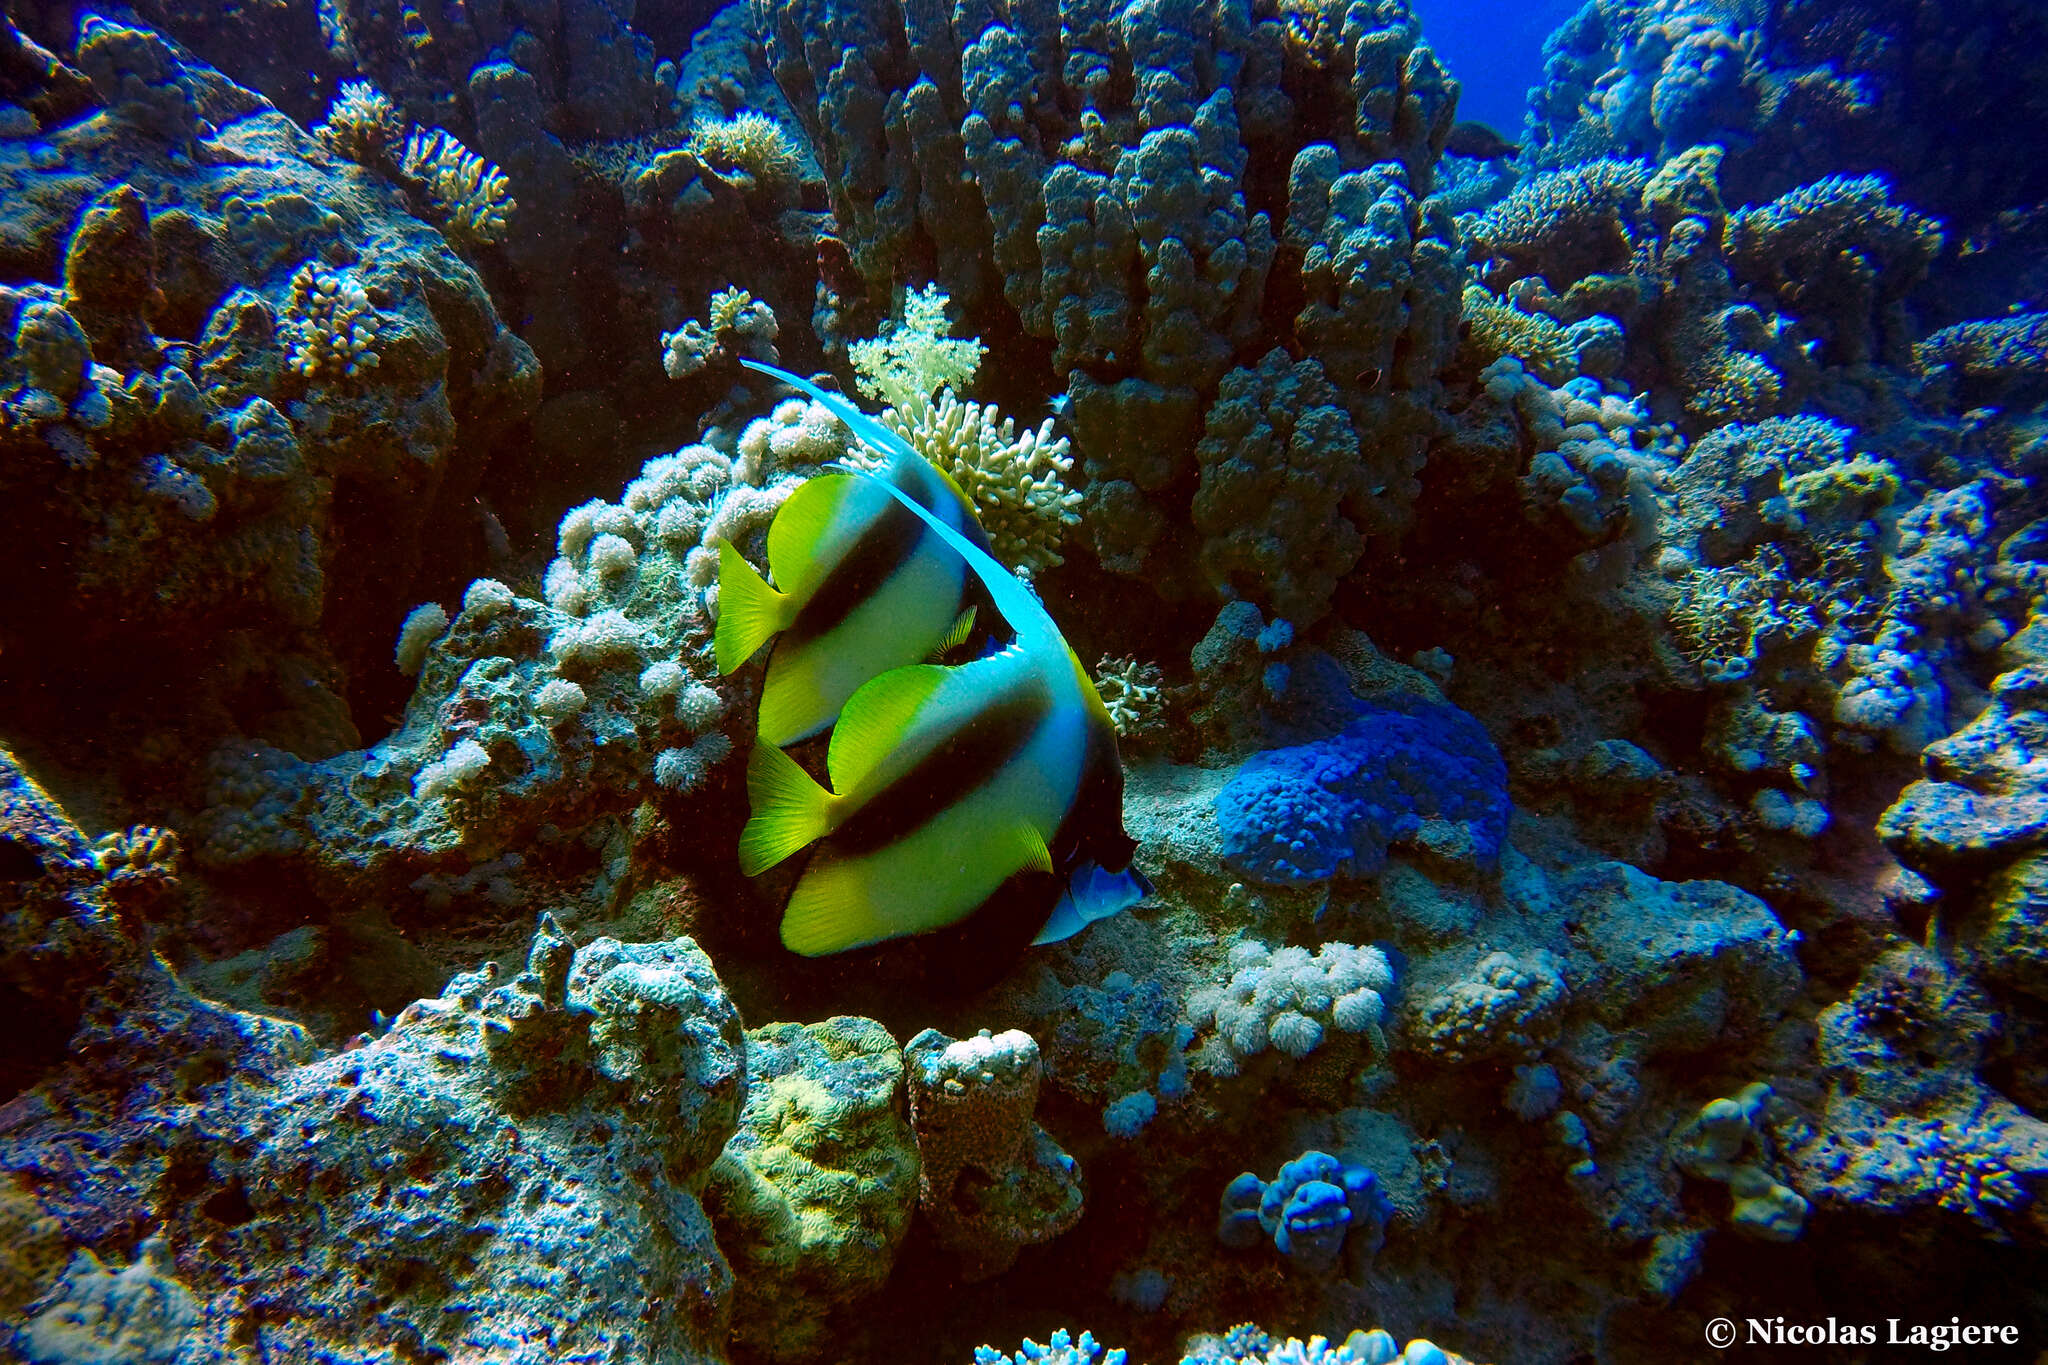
(814, 1194)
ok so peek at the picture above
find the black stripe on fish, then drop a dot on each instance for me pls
(962, 763)
(884, 547)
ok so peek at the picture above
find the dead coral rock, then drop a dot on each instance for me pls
(992, 1181)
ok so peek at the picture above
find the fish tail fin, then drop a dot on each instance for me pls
(749, 611)
(790, 809)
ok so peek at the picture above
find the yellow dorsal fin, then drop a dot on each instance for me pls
(831, 910)
(749, 611)
(790, 809)
(800, 528)
(956, 636)
(875, 720)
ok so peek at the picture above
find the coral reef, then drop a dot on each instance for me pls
(1576, 624)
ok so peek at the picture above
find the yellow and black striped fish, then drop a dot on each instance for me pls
(865, 586)
(954, 789)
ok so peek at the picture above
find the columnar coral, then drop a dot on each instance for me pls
(991, 1180)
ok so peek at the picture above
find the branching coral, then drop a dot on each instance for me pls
(1133, 691)
(362, 125)
(329, 325)
(1565, 224)
(1017, 483)
(469, 198)
(753, 144)
(737, 324)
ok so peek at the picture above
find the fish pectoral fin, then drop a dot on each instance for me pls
(749, 611)
(956, 636)
(1031, 844)
(790, 809)
(876, 718)
(830, 911)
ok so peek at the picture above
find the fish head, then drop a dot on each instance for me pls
(1092, 893)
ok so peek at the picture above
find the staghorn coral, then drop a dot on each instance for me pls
(468, 198)
(990, 1180)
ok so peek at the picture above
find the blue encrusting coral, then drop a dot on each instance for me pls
(1568, 598)
(1333, 807)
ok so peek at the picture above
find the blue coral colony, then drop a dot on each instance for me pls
(850, 681)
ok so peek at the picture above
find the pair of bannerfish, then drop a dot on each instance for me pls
(986, 792)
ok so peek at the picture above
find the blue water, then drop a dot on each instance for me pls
(1495, 51)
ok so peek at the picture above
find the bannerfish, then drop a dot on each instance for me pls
(1479, 141)
(991, 785)
(864, 586)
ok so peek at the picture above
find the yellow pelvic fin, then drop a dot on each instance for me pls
(800, 529)
(749, 611)
(831, 911)
(875, 720)
(956, 636)
(790, 809)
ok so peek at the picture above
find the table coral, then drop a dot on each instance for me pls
(991, 1181)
